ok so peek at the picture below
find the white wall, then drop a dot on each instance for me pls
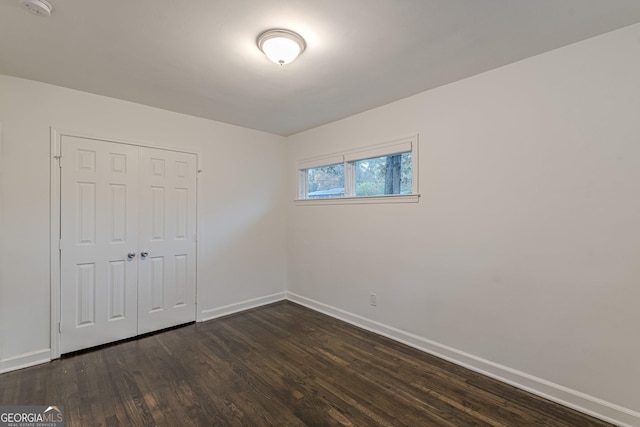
(242, 254)
(522, 257)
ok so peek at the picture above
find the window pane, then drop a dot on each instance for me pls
(383, 175)
(325, 182)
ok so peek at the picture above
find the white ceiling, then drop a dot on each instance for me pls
(199, 57)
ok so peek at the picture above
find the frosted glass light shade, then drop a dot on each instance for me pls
(281, 46)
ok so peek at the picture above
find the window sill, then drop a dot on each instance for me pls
(395, 198)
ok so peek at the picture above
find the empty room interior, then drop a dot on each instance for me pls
(288, 212)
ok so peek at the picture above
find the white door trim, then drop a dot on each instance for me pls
(56, 135)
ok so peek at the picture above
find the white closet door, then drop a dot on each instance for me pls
(99, 217)
(167, 239)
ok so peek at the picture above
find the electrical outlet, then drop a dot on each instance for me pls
(373, 299)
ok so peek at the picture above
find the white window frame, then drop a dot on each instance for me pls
(348, 158)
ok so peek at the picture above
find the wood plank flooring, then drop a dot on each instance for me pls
(279, 365)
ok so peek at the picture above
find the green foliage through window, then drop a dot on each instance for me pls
(383, 175)
(325, 182)
(366, 173)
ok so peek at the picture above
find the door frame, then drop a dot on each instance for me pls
(55, 207)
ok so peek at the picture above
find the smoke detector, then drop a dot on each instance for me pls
(37, 7)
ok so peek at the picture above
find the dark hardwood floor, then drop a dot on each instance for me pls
(281, 365)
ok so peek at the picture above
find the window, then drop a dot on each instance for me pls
(378, 174)
(383, 175)
(325, 181)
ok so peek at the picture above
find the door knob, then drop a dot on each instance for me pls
(144, 254)
(131, 255)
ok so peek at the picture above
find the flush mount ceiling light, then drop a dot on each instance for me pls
(281, 46)
(37, 7)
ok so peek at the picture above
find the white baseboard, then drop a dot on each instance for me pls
(574, 399)
(214, 313)
(25, 360)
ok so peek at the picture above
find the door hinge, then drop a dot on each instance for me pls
(60, 327)
(60, 244)
(59, 158)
